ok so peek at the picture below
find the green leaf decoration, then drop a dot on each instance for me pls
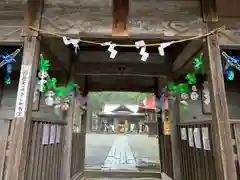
(70, 86)
(8, 80)
(172, 87)
(61, 91)
(44, 64)
(51, 83)
(198, 63)
(191, 78)
(182, 88)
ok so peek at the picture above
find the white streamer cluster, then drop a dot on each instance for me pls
(113, 52)
(163, 46)
(74, 42)
(111, 49)
(141, 44)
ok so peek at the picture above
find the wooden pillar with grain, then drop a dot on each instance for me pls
(175, 139)
(222, 146)
(67, 150)
(222, 138)
(27, 81)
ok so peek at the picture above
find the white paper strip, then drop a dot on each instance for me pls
(53, 134)
(183, 134)
(58, 134)
(45, 136)
(206, 143)
(197, 138)
(190, 137)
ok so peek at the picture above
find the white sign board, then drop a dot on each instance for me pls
(183, 134)
(197, 138)
(58, 134)
(45, 136)
(190, 137)
(52, 134)
(23, 88)
(206, 143)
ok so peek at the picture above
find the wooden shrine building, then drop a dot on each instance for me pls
(122, 116)
(118, 45)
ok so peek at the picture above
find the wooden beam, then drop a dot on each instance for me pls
(26, 86)
(120, 83)
(120, 17)
(120, 69)
(191, 48)
(230, 39)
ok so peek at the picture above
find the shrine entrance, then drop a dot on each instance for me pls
(67, 49)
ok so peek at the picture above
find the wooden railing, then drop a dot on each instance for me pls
(165, 153)
(197, 159)
(45, 150)
(78, 153)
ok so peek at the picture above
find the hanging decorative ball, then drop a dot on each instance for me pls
(49, 101)
(194, 88)
(184, 96)
(64, 106)
(194, 96)
(42, 74)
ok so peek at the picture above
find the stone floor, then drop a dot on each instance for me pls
(111, 151)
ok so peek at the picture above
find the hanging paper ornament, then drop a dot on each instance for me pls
(191, 78)
(206, 94)
(184, 96)
(43, 74)
(230, 75)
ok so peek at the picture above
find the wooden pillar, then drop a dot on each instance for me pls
(175, 139)
(67, 150)
(222, 146)
(83, 131)
(27, 81)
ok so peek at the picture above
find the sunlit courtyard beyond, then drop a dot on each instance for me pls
(122, 152)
